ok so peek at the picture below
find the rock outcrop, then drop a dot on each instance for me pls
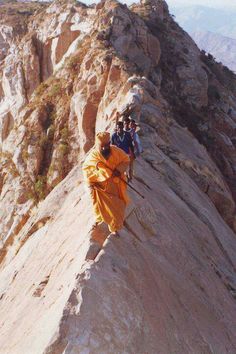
(167, 285)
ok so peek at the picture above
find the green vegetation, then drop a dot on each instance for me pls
(43, 141)
(72, 63)
(40, 187)
(41, 88)
(64, 133)
(7, 162)
(55, 90)
(51, 132)
(25, 155)
(63, 148)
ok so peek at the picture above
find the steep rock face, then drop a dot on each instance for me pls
(201, 93)
(73, 69)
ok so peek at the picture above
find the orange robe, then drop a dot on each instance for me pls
(109, 194)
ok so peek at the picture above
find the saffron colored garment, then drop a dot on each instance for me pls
(109, 194)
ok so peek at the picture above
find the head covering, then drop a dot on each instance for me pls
(103, 138)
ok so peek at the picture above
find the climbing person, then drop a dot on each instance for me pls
(123, 140)
(130, 126)
(104, 172)
(136, 140)
(117, 117)
(127, 127)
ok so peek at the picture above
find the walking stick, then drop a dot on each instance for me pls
(99, 162)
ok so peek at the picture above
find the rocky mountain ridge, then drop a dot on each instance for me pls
(63, 287)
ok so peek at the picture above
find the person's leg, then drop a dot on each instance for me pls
(131, 169)
(114, 226)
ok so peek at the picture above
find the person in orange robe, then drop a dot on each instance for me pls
(103, 169)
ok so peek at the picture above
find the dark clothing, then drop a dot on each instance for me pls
(125, 142)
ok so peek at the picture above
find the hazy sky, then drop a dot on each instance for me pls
(212, 3)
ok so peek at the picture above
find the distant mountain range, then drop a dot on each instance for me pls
(195, 18)
(213, 29)
(222, 48)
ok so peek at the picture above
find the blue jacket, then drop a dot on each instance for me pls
(125, 143)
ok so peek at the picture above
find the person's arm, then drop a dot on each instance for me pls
(136, 145)
(113, 139)
(131, 146)
(94, 173)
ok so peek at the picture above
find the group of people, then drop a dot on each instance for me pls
(127, 139)
(107, 168)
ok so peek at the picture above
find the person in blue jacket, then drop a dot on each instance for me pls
(124, 141)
